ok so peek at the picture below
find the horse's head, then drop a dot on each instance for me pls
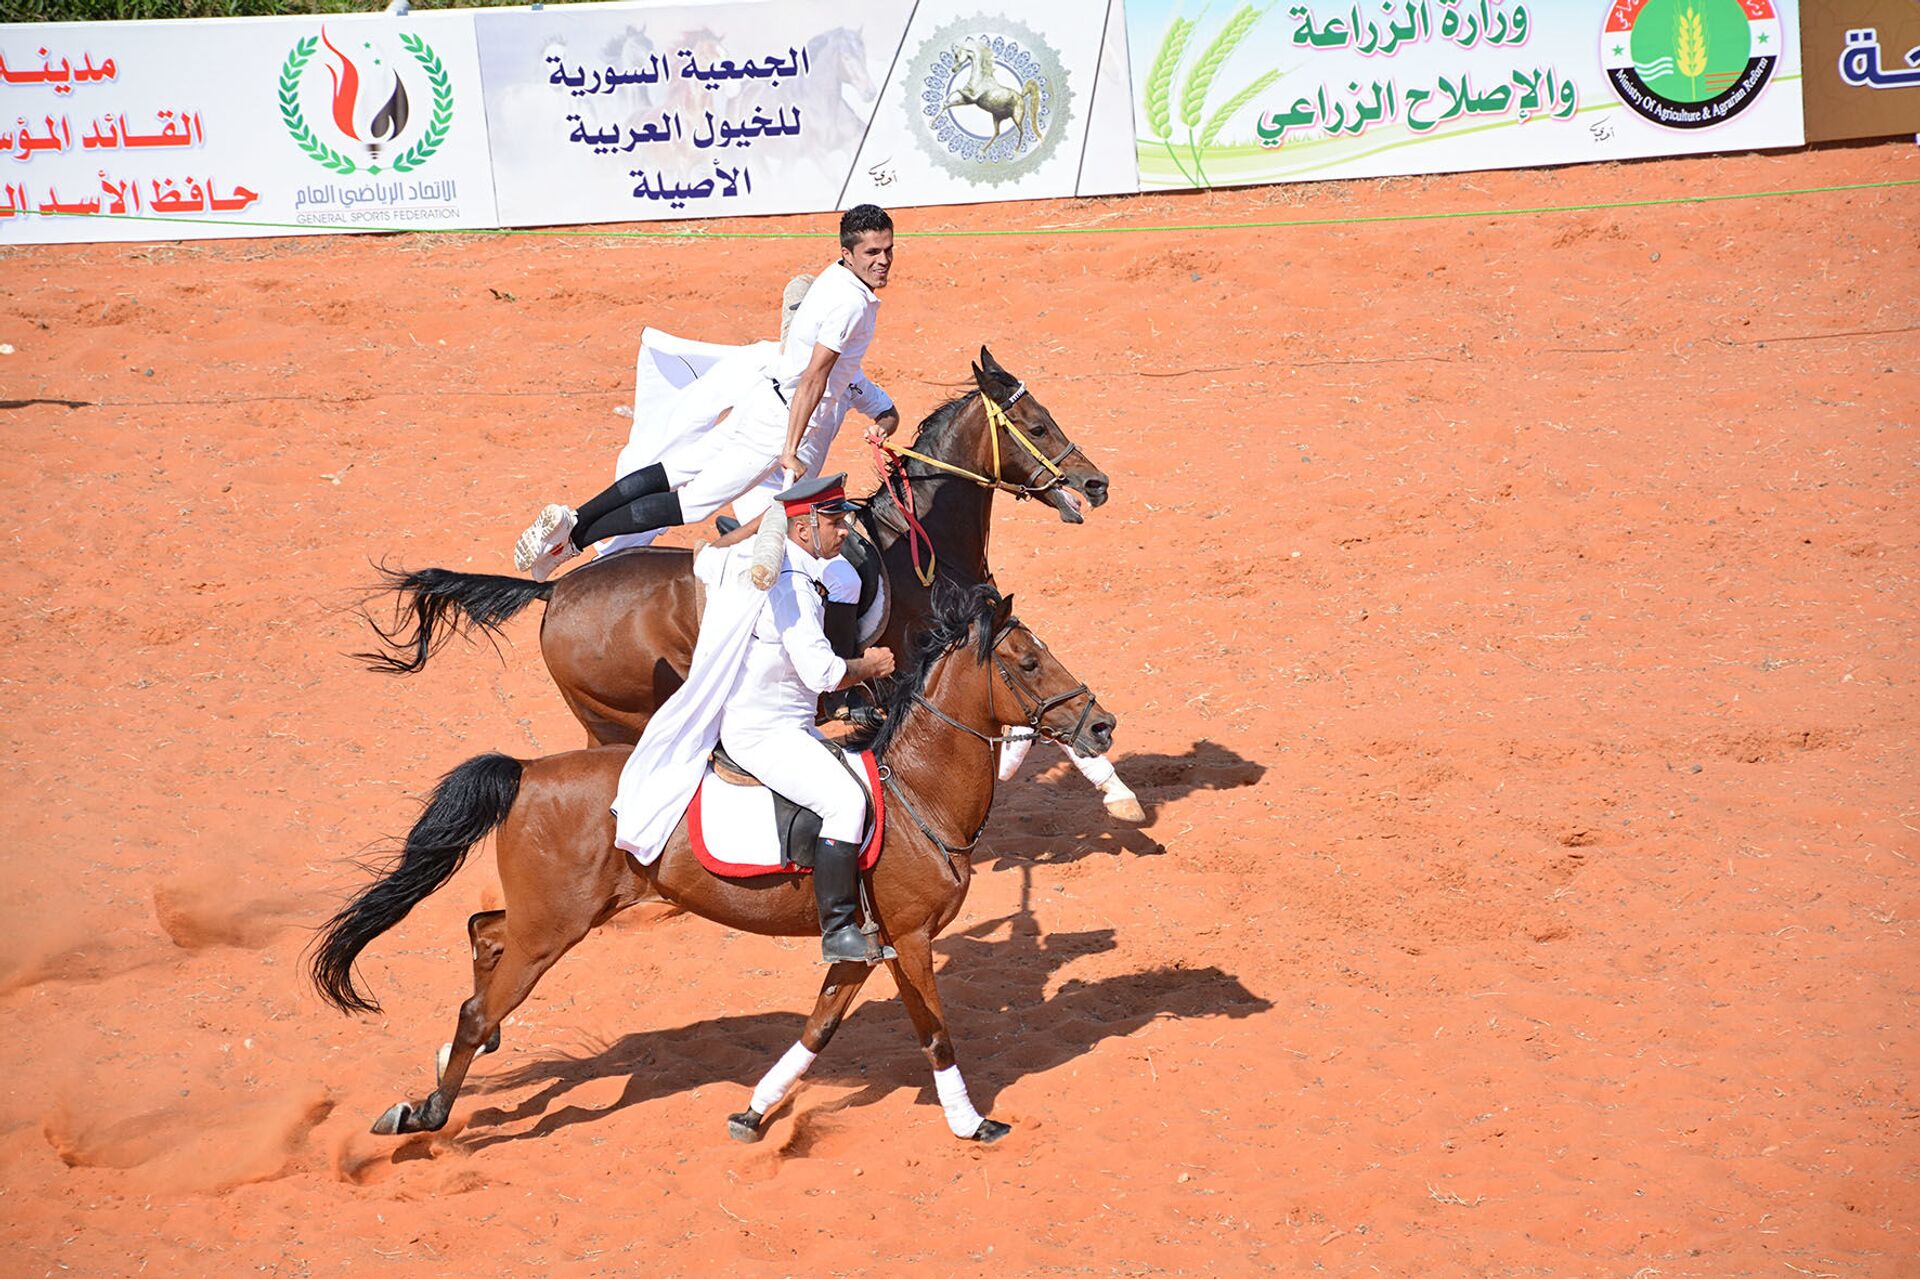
(967, 50)
(981, 669)
(1040, 459)
(1037, 691)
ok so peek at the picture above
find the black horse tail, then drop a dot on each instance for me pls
(434, 604)
(467, 804)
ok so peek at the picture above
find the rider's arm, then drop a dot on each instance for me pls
(806, 398)
(814, 660)
(871, 400)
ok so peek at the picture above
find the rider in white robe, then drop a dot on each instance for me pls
(759, 667)
(753, 421)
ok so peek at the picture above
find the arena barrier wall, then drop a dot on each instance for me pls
(605, 113)
(1230, 96)
(473, 119)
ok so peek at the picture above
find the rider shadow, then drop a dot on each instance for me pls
(1051, 815)
(998, 1012)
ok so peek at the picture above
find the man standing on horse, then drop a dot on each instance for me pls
(778, 431)
(766, 685)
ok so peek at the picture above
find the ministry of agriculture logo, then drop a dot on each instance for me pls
(367, 107)
(1688, 64)
(988, 99)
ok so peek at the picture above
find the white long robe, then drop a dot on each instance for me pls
(664, 770)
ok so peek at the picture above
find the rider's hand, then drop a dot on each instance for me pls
(877, 663)
(790, 463)
(884, 426)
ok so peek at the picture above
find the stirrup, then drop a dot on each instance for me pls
(849, 945)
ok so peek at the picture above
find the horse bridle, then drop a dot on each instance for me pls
(1035, 706)
(1039, 708)
(998, 420)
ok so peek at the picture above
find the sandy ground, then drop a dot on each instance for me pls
(1506, 617)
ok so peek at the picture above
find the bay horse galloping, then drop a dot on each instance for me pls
(618, 633)
(974, 668)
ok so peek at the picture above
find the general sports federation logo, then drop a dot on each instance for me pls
(1690, 64)
(367, 104)
(987, 98)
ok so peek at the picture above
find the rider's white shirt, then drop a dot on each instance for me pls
(839, 313)
(789, 662)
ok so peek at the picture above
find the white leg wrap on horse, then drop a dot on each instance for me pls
(1097, 769)
(961, 1116)
(1013, 752)
(774, 1085)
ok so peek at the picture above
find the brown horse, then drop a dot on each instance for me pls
(618, 633)
(974, 668)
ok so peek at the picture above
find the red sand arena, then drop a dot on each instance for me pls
(1511, 621)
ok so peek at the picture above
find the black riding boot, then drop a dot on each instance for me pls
(836, 888)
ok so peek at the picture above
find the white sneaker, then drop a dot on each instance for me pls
(547, 543)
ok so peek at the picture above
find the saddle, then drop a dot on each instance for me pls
(741, 828)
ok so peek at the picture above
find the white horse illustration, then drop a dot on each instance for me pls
(984, 90)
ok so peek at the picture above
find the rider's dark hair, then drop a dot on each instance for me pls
(859, 220)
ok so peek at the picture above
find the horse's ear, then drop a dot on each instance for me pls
(990, 364)
(980, 379)
(1002, 613)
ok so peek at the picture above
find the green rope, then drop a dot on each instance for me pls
(701, 233)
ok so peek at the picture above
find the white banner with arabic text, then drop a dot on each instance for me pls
(1227, 96)
(240, 127)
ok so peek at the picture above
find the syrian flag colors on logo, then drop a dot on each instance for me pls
(1690, 64)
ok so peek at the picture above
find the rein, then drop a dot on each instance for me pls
(892, 471)
(999, 422)
(1037, 709)
(892, 458)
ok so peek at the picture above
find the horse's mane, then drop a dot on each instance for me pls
(957, 612)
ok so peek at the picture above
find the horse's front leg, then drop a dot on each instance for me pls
(501, 986)
(843, 982)
(1115, 794)
(913, 971)
(954, 100)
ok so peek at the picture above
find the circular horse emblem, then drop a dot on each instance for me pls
(988, 99)
(1690, 64)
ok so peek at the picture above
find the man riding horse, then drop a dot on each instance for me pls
(760, 665)
(776, 430)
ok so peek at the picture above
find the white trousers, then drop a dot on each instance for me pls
(813, 456)
(799, 765)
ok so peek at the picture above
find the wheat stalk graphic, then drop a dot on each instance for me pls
(1159, 96)
(1690, 46)
(1197, 86)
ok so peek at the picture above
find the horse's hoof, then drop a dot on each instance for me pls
(1127, 808)
(744, 1126)
(990, 1131)
(394, 1121)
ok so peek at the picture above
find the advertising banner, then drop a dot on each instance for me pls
(235, 127)
(624, 113)
(1863, 68)
(1230, 96)
(1001, 103)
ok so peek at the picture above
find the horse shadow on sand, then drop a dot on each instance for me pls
(993, 987)
(1049, 814)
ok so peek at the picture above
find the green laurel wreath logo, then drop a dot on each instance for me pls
(414, 156)
(437, 124)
